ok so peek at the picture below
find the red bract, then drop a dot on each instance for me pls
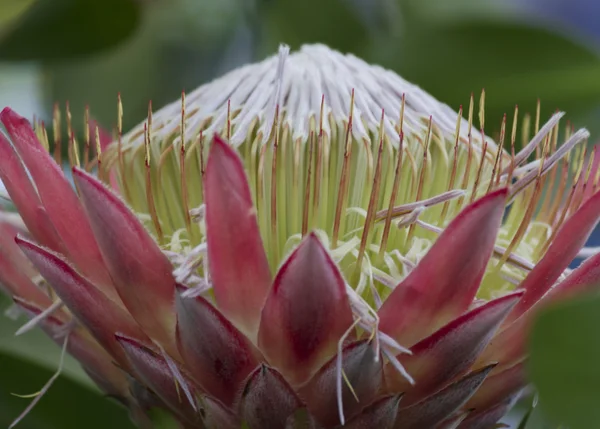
(60, 202)
(428, 298)
(306, 313)
(240, 288)
(304, 274)
(140, 272)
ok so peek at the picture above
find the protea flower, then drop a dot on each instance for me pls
(309, 241)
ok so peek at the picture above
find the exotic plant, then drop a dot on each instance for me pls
(309, 241)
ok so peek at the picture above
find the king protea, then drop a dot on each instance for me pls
(309, 241)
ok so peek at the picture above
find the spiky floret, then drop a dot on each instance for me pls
(370, 162)
(347, 238)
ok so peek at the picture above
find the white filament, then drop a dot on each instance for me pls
(297, 82)
(36, 320)
(37, 396)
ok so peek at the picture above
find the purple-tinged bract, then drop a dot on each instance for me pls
(278, 250)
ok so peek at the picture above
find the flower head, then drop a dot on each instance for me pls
(307, 239)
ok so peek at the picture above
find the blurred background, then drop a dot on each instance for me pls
(85, 52)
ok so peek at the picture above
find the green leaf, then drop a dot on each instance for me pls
(13, 9)
(330, 22)
(565, 352)
(515, 61)
(67, 405)
(166, 55)
(132, 70)
(451, 12)
(62, 29)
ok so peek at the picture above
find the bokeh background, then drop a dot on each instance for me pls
(85, 52)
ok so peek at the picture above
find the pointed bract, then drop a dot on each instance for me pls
(439, 406)
(238, 265)
(146, 398)
(450, 351)
(140, 271)
(98, 313)
(25, 197)
(153, 370)
(428, 298)
(381, 414)
(454, 421)
(498, 387)
(194, 324)
(584, 277)
(306, 313)
(509, 345)
(485, 419)
(570, 238)
(59, 200)
(218, 355)
(363, 372)
(14, 283)
(267, 399)
(16, 271)
(216, 415)
(56, 244)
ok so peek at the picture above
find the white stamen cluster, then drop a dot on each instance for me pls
(297, 82)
